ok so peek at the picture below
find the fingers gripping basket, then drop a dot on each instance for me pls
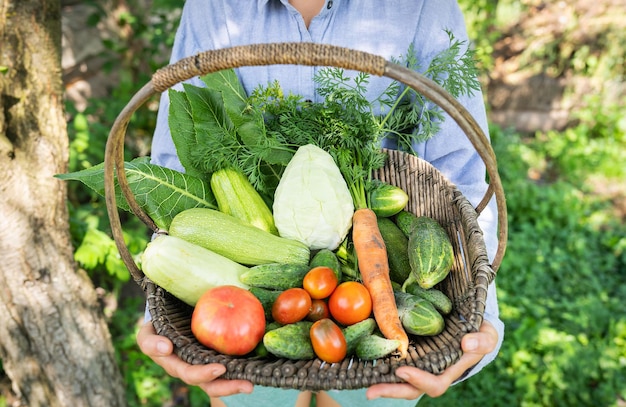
(430, 193)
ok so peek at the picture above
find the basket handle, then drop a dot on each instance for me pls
(287, 54)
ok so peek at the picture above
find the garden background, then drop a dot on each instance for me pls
(553, 75)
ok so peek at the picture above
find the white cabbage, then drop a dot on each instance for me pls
(312, 203)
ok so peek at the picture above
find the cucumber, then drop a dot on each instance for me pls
(375, 347)
(397, 249)
(431, 254)
(327, 258)
(275, 276)
(404, 220)
(441, 301)
(236, 196)
(291, 341)
(185, 270)
(235, 239)
(267, 298)
(418, 316)
(387, 200)
(355, 332)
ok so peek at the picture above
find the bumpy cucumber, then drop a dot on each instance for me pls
(267, 298)
(387, 200)
(275, 276)
(441, 301)
(355, 332)
(327, 258)
(290, 341)
(418, 316)
(430, 252)
(375, 347)
(404, 220)
(397, 249)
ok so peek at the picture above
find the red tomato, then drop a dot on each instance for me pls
(320, 282)
(292, 305)
(228, 319)
(350, 303)
(319, 310)
(328, 341)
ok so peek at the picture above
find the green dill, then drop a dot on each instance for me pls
(259, 133)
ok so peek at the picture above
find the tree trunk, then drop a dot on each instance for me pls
(54, 342)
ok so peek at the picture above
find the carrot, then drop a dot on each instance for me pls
(374, 266)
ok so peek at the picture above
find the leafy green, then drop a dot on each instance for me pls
(159, 191)
(259, 134)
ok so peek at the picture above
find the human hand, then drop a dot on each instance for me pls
(160, 350)
(419, 382)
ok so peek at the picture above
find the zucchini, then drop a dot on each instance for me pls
(236, 196)
(397, 249)
(355, 332)
(291, 341)
(375, 347)
(327, 258)
(186, 270)
(418, 316)
(275, 276)
(441, 301)
(387, 200)
(236, 239)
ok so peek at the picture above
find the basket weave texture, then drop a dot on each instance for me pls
(430, 194)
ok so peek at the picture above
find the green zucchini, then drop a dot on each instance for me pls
(233, 238)
(236, 196)
(275, 276)
(375, 347)
(292, 341)
(186, 270)
(355, 332)
(327, 258)
(436, 297)
(387, 200)
(418, 316)
(397, 250)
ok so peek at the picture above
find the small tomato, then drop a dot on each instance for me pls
(328, 341)
(228, 319)
(320, 282)
(292, 305)
(319, 310)
(350, 303)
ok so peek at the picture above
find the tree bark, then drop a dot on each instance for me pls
(54, 342)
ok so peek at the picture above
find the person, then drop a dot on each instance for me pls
(382, 28)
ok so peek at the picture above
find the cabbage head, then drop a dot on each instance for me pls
(312, 203)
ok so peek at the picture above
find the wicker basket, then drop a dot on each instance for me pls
(430, 193)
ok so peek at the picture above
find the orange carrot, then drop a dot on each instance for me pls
(374, 266)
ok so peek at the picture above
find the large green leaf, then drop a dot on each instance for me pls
(183, 131)
(160, 192)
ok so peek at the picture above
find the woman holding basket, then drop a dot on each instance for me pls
(388, 29)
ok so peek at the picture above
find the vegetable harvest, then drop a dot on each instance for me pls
(313, 165)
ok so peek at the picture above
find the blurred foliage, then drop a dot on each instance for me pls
(561, 285)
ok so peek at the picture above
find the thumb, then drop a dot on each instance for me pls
(152, 344)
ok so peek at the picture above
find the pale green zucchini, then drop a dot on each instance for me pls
(186, 270)
(236, 239)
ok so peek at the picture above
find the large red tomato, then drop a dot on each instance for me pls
(228, 319)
